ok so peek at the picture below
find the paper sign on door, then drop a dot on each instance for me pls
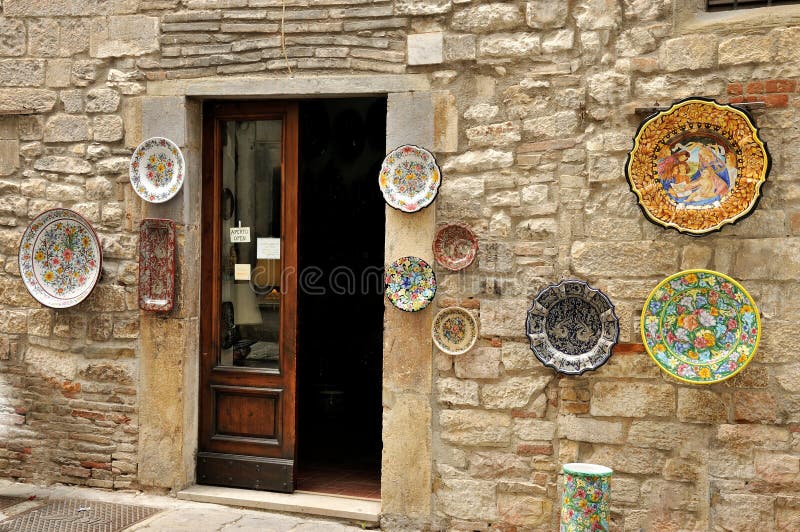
(268, 248)
(241, 272)
(240, 234)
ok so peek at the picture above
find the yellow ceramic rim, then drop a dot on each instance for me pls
(735, 283)
(729, 220)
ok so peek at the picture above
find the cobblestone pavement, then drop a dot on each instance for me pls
(176, 515)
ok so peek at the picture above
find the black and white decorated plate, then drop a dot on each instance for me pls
(572, 327)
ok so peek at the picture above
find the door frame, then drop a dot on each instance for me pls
(169, 371)
(237, 461)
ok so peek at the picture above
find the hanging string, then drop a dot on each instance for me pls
(283, 37)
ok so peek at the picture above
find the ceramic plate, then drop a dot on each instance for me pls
(409, 178)
(156, 264)
(697, 166)
(157, 170)
(410, 283)
(454, 330)
(572, 327)
(700, 326)
(455, 246)
(60, 258)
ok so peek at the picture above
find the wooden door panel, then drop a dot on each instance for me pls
(247, 410)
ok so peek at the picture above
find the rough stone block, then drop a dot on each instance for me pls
(121, 36)
(21, 72)
(624, 459)
(623, 259)
(425, 48)
(785, 45)
(487, 18)
(692, 52)
(458, 392)
(668, 435)
(476, 428)
(632, 399)
(701, 406)
(102, 101)
(479, 160)
(597, 14)
(459, 47)
(74, 8)
(62, 165)
(422, 7)
(546, 14)
(524, 510)
(9, 156)
(502, 317)
(495, 464)
(534, 429)
(560, 124)
(107, 128)
(746, 49)
(66, 128)
(590, 430)
(467, 499)
(480, 363)
(12, 37)
(509, 45)
(515, 392)
(609, 88)
(445, 123)
(743, 512)
(164, 116)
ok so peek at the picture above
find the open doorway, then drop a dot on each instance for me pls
(340, 296)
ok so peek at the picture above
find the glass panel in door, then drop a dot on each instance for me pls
(250, 243)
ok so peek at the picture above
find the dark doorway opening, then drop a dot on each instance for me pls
(340, 296)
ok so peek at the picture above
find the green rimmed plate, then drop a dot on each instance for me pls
(700, 326)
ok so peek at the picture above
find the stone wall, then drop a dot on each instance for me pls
(540, 98)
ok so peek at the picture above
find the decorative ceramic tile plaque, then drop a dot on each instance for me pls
(157, 169)
(410, 283)
(697, 166)
(454, 330)
(60, 258)
(409, 178)
(572, 327)
(156, 264)
(700, 326)
(455, 246)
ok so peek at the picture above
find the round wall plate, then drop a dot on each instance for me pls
(454, 330)
(409, 178)
(157, 169)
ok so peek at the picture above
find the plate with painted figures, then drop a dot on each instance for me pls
(157, 169)
(156, 264)
(572, 327)
(60, 258)
(700, 326)
(410, 283)
(454, 330)
(697, 166)
(455, 246)
(409, 178)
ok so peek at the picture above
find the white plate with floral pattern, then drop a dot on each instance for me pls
(409, 178)
(454, 330)
(60, 258)
(157, 169)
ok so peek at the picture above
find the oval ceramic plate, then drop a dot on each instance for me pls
(697, 166)
(455, 246)
(409, 178)
(157, 170)
(700, 326)
(572, 327)
(410, 283)
(454, 330)
(60, 258)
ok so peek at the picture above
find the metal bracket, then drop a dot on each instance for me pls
(748, 106)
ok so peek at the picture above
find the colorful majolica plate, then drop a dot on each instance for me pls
(572, 327)
(410, 283)
(455, 246)
(156, 264)
(454, 330)
(700, 326)
(697, 166)
(60, 258)
(157, 170)
(409, 178)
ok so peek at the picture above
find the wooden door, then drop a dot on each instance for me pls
(248, 296)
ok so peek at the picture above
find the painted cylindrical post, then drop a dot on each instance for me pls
(587, 496)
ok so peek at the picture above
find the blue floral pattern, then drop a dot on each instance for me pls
(410, 283)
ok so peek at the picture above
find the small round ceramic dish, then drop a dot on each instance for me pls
(157, 170)
(454, 330)
(697, 166)
(60, 258)
(409, 178)
(410, 283)
(700, 326)
(572, 327)
(455, 246)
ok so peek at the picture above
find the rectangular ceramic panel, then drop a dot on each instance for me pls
(156, 264)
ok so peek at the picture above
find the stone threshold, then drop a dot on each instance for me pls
(351, 508)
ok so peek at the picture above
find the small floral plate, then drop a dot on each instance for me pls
(410, 283)
(700, 326)
(455, 246)
(60, 258)
(409, 178)
(157, 170)
(454, 330)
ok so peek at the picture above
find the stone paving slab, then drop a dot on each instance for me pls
(179, 516)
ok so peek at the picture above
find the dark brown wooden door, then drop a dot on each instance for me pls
(248, 296)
